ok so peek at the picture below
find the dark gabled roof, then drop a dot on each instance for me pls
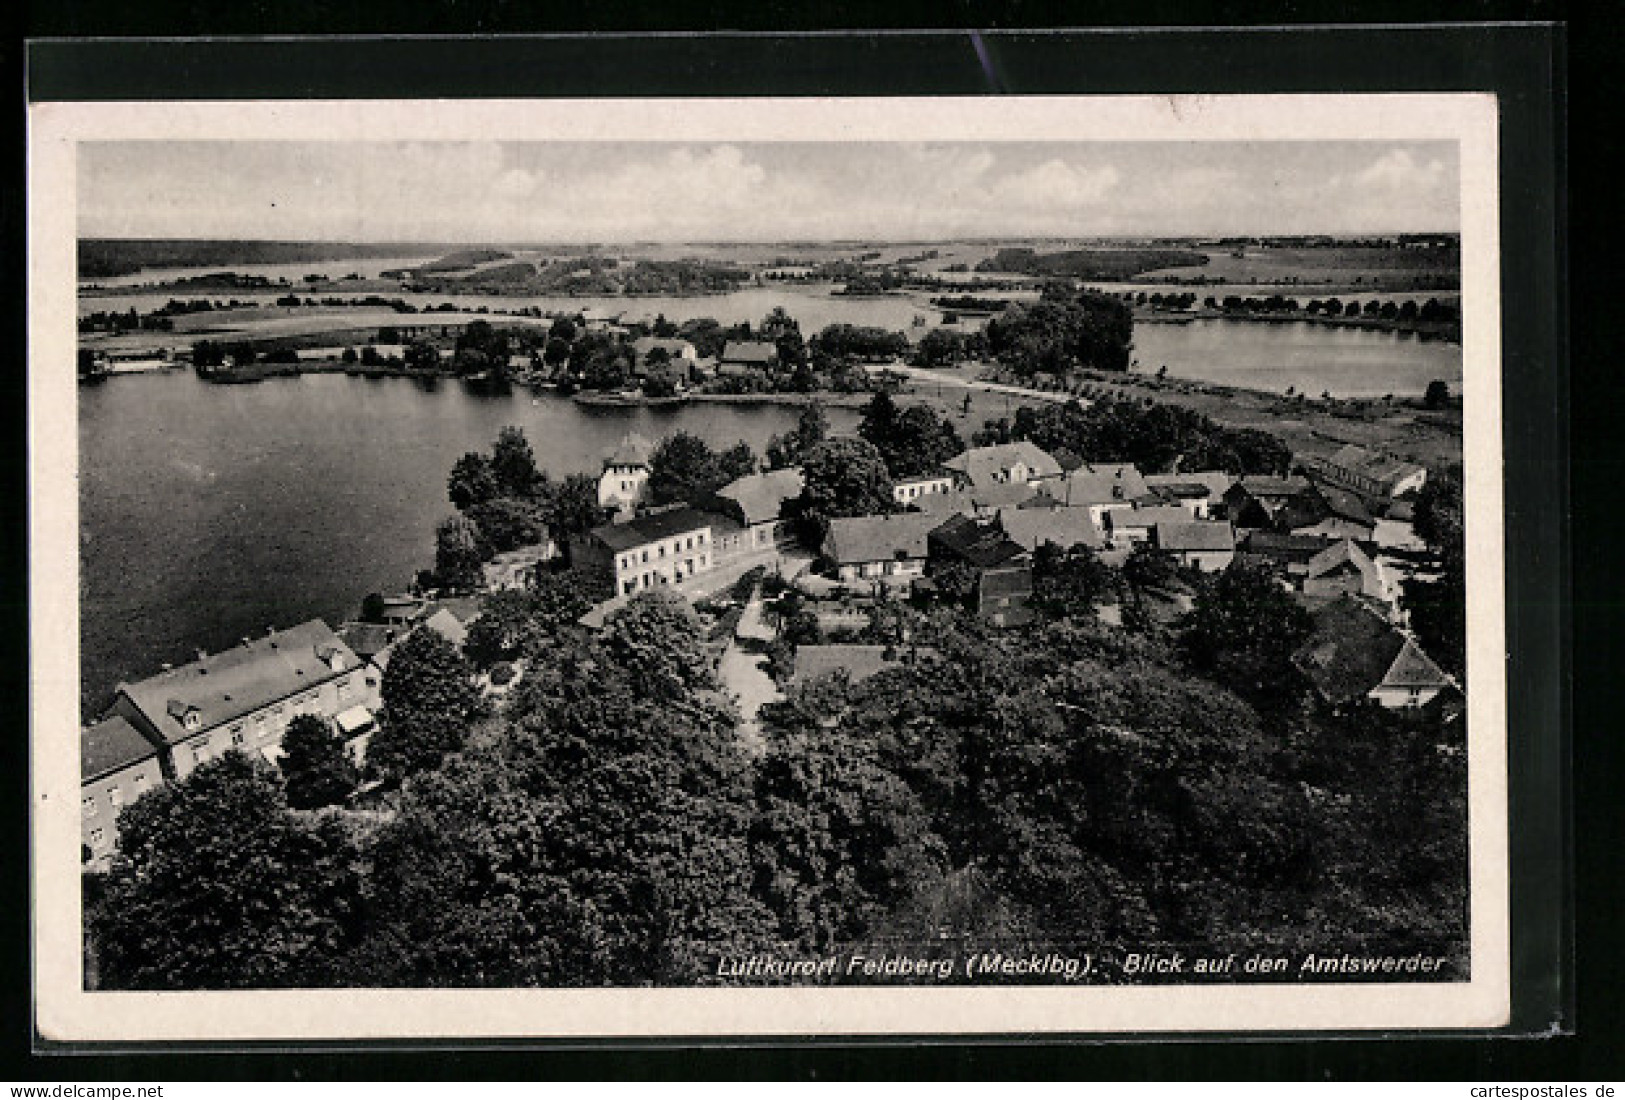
(1342, 552)
(1294, 549)
(671, 345)
(368, 639)
(466, 608)
(985, 465)
(109, 746)
(651, 527)
(1178, 490)
(749, 351)
(1100, 483)
(448, 626)
(1065, 527)
(1349, 651)
(1194, 535)
(858, 539)
(240, 680)
(1147, 517)
(633, 450)
(760, 497)
(1373, 464)
(980, 545)
(1001, 494)
(1345, 505)
(1272, 488)
(1414, 669)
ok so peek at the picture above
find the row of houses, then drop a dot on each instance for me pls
(160, 729)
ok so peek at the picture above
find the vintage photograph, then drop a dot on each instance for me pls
(612, 560)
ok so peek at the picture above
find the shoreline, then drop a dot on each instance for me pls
(1442, 331)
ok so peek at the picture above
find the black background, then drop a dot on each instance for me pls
(1525, 64)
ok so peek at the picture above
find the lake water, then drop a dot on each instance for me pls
(1311, 358)
(211, 512)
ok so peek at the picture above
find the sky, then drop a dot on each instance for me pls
(619, 192)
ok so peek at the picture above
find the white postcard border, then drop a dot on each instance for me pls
(65, 1012)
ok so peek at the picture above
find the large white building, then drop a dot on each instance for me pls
(244, 697)
(654, 549)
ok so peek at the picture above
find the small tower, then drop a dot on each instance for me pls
(624, 483)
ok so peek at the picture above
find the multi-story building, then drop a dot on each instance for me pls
(116, 766)
(1371, 473)
(650, 550)
(1019, 463)
(624, 483)
(244, 697)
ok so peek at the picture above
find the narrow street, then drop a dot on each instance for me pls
(743, 673)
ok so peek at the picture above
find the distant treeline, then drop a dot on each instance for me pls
(102, 258)
(967, 303)
(1091, 263)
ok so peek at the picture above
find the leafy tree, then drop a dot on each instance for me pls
(507, 523)
(574, 507)
(597, 839)
(429, 699)
(660, 381)
(912, 441)
(1068, 582)
(843, 477)
(1438, 608)
(219, 886)
(658, 634)
(422, 356)
(945, 348)
(607, 371)
(1061, 331)
(372, 608)
(840, 841)
(811, 429)
(1153, 437)
(1438, 394)
(315, 768)
(513, 464)
(684, 468)
(459, 553)
(523, 622)
(556, 352)
(1243, 630)
(472, 481)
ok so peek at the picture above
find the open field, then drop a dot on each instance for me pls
(1405, 429)
(1370, 268)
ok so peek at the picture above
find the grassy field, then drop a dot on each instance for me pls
(1384, 268)
(1403, 428)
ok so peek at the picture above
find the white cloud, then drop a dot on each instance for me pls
(1400, 171)
(516, 183)
(1056, 185)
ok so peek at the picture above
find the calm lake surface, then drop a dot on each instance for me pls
(210, 512)
(1311, 358)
